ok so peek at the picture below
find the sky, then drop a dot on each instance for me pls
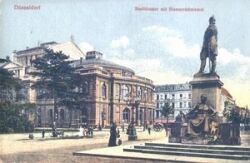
(163, 46)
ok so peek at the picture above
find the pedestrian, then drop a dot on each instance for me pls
(43, 133)
(80, 131)
(149, 130)
(84, 131)
(112, 138)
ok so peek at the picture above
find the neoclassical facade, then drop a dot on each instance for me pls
(110, 92)
(113, 93)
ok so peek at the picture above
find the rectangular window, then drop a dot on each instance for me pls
(180, 104)
(166, 97)
(189, 96)
(189, 104)
(157, 97)
(173, 96)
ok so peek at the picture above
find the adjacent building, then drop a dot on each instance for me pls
(179, 96)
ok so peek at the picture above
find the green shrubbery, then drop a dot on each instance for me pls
(11, 119)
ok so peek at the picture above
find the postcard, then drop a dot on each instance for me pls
(144, 68)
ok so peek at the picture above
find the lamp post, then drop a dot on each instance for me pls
(134, 103)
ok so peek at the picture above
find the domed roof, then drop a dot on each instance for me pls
(95, 58)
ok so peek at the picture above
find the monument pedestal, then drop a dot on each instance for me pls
(210, 85)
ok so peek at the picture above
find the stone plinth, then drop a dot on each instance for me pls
(209, 85)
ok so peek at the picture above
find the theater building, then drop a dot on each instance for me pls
(111, 92)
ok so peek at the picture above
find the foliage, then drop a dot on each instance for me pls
(232, 114)
(57, 79)
(8, 85)
(11, 119)
(167, 110)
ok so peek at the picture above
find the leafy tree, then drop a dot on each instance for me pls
(166, 111)
(12, 120)
(232, 114)
(56, 79)
(8, 85)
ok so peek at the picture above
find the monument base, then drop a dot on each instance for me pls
(198, 141)
(207, 84)
(229, 134)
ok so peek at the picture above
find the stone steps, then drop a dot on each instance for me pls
(220, 152)
(220, 147)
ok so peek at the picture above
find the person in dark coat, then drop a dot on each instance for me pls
(112, 138)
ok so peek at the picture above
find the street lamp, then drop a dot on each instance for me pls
(134, 103)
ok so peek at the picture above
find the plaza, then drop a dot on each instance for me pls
(19, 148)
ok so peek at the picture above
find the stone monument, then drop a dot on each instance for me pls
(203, 125)
(208, 83)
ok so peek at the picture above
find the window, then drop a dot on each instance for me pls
(126, 115)
(166, 97)
(185, 104)
(173, 104)
(161, 97)
(157, 105)
(157, 113)
(181, 95)
(189, 96)
(125, 91)
(180, 104)
(189, 104)
(104, 90)
(157, 97)
(173, 95)
(138, 92)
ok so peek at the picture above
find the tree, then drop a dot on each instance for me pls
(166, 111)
(12, 120)
(232, 114)
(56, 79)
(9, 86)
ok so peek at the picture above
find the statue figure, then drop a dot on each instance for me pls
(209, 47)
(200, 118)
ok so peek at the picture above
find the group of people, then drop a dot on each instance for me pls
(85, 131)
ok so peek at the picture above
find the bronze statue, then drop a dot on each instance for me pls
(200, 118)
(209, 47)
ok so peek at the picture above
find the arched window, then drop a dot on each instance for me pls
(138, 92)
(126, 115)
(104, 90)
(125, 91)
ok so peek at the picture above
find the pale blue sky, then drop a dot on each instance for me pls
(169, 40)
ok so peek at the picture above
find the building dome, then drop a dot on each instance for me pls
(95, 58)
